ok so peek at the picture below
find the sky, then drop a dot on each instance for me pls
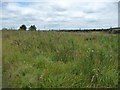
(59, 14)
(119, 14)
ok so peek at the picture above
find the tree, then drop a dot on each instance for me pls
(4, 29)
(22, 28)
(32, 28)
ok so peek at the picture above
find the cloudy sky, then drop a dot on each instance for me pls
(59, 14)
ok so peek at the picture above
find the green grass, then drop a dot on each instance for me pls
(59, 59)
(0, 59)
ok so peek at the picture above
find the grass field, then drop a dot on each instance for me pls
(59, 59)
(0, 59)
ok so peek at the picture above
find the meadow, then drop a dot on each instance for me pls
(0, 59)
(59, 59)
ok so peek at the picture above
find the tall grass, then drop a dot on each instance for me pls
(59, 59)
(0, 59)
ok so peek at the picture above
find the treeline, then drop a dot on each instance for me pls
(33, 28)
(24, 28)
(110, 30)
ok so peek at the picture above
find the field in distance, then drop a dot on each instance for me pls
(59, 59)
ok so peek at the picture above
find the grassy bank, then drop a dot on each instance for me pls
(59, 59)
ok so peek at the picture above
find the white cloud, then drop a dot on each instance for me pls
(60, 0)
(60, 14)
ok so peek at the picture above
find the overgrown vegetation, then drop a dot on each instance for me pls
(59, 59)
(0, 59)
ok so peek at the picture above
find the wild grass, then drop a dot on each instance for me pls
(59, 59)
(0, 59)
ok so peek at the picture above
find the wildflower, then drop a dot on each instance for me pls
(92, 50)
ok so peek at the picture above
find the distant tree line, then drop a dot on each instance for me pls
(31, 28)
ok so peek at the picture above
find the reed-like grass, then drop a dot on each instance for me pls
(59, 59)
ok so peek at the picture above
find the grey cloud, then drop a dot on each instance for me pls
(58, 8)
(89, 11)
(69, 14)
(119, 13)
